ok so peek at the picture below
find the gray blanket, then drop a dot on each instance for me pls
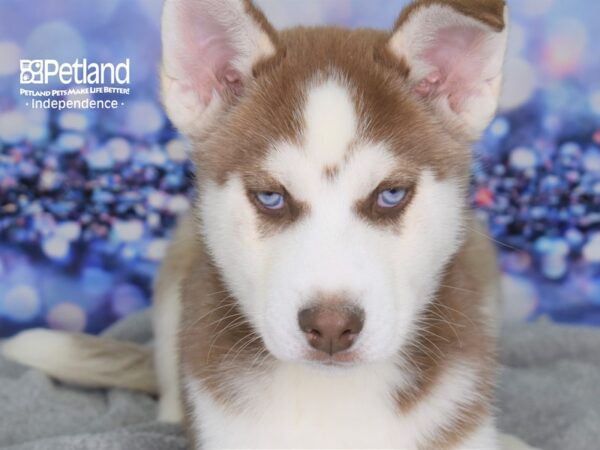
(549, 395)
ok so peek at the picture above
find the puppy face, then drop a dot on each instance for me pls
(331, 185)
(335, 215)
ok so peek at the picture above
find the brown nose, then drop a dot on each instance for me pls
(331, 329)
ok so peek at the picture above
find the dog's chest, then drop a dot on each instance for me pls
(297, 409)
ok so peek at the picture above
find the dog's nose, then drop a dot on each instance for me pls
(331, 329)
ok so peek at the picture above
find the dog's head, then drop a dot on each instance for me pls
(332, 164)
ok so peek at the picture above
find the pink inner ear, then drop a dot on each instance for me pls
(458, 56)
(206, 54)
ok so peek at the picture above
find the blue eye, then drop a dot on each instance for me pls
(271, 200)
(391, 198)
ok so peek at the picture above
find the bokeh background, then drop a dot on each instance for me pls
(88, 198)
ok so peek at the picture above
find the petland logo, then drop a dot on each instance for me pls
(48, 84)
(42, 71)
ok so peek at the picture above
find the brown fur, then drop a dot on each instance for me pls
(455, 328)
(331, 172)
(490, 12)
(216, 342)
(262, 22)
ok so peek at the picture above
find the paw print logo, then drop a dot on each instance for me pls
(32, 71)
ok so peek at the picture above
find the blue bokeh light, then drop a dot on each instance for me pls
(88, 198)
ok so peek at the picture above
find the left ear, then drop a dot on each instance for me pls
(454, 50)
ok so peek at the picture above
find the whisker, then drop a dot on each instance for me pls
(460, 313)
(218, 292)
(430, 351)
(220, 304)
(503, 244)
(438, 318)
(235, 324)
(250, 340)
(229, 315)
(461, 289)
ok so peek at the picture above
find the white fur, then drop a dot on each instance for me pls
(330, 123)
(416, 35)
(484, 438)
(508, 442)
(84, 360)
(166, 317)
(29, 346)
(303, 407)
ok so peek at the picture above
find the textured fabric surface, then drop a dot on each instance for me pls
(87, 197)
(548, 396)
(549, 390)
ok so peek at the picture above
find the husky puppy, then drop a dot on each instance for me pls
(330, 287)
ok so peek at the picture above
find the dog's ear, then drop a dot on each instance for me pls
(209, 50)
(454, 51)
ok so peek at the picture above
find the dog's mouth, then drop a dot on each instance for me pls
(341, 359)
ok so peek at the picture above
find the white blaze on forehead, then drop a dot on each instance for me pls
(301, 172)
(330, 122)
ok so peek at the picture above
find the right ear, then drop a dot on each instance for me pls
(209, 50)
